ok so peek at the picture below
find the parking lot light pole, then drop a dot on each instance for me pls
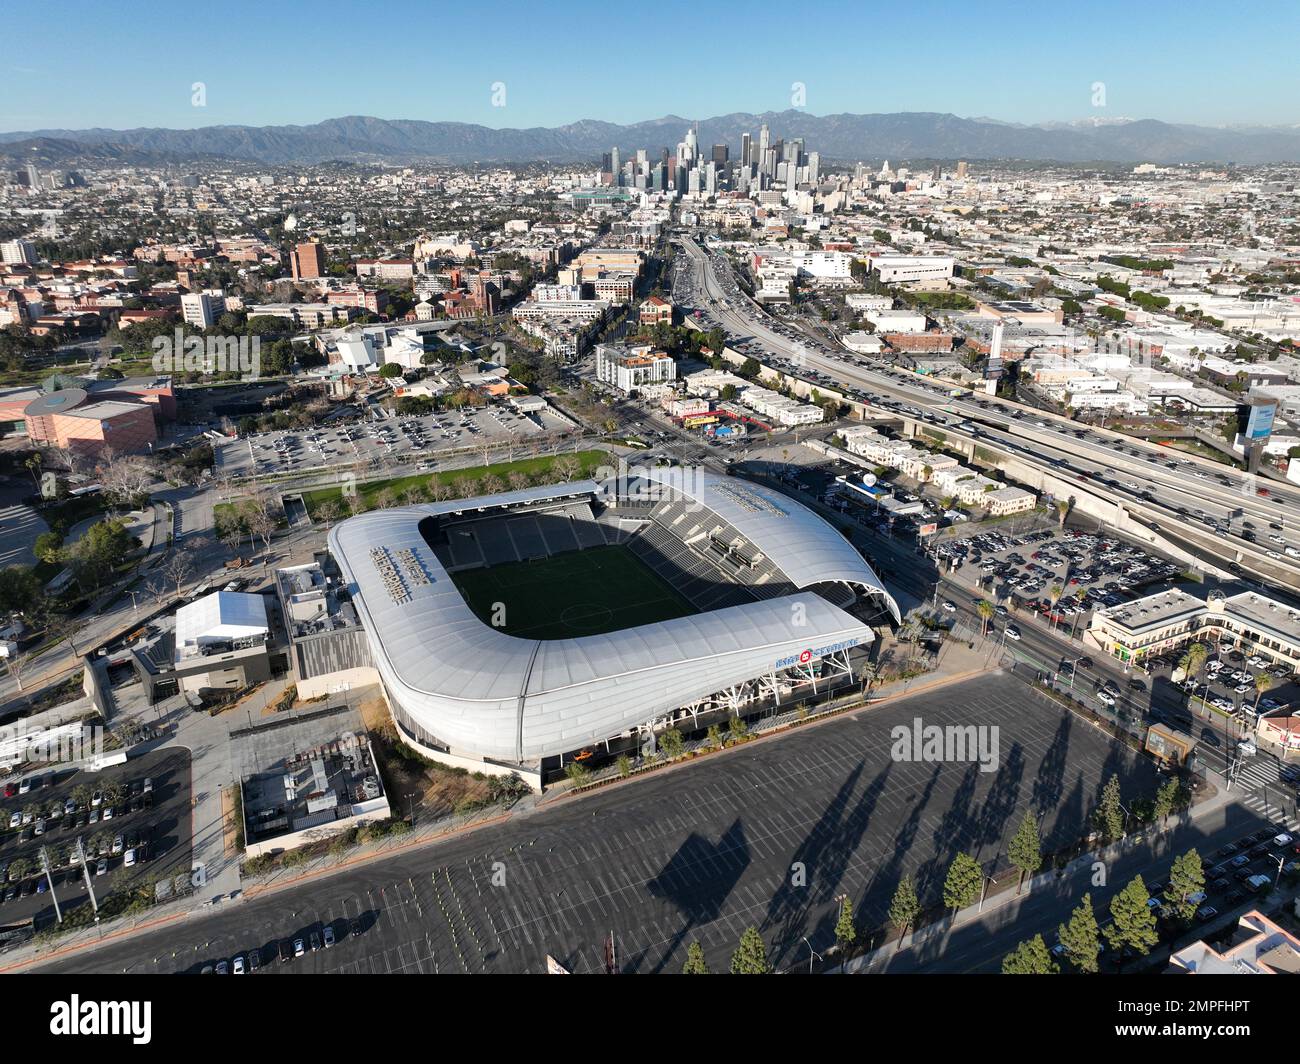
(812, 953)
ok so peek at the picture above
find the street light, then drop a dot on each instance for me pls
(812, 953)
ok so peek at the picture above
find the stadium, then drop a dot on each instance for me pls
(516, 630)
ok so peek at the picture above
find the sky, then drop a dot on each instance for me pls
(76, 65)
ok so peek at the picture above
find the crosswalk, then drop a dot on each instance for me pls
(1259, 786)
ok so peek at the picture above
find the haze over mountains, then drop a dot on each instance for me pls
(844, 137)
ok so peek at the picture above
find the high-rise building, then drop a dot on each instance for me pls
(201, 309)
(961, 168)
(17, 252)
(746, 151)
(615, 167)
(308, 260)
(814, 167)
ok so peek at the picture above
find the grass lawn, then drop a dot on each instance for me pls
(588, 592)
(370, 492)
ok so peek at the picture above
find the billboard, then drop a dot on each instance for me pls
(1260, 423)
(928, 530)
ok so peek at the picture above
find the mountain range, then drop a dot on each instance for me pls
(842, 137)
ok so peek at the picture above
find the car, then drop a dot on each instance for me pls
(1206, 913)
(1221, 884)
(148, 784)
(1228, 850)
(25, 785)
(16, 819)
(254, 960)
(102, 866)
(108, 812)
(1259, 851)
(223, 968)
(128, 859)
(70, 806)
(119, 844)
(298, 948)
(1012, 632)
(286, 951)
(1105, 698)
(237, 966)
(1282, 840)
(11, 788)
(315, 941)
(97, 799)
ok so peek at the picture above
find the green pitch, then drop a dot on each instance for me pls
(587, 592)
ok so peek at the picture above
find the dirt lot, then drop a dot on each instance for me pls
(439, 791)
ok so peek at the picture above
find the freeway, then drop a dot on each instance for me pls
(1220, 509)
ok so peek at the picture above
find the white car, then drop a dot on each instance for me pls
(128, 859)
(1105, 698)
(16, 820)
(1012, 632)
(237, 966)
(949, 607)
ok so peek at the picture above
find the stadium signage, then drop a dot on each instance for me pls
(807, 654)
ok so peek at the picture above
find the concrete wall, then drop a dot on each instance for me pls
(336, 682)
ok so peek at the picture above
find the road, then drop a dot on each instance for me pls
(1107, 464)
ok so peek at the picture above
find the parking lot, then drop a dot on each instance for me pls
(382, 439)
(1092, 569)
(716, 853)
(133, 821)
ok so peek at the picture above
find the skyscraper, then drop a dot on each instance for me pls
(746, 151)
(615, 166)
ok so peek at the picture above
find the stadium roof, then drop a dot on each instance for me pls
(802, 545)
(498, 696)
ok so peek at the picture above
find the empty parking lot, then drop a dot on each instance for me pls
(768, 834)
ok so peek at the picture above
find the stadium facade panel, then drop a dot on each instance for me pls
(488, 694)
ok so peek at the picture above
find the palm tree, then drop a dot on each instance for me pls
(985, 610)
(1262, 683)
(1056, 592)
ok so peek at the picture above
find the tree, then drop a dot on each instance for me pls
(20, 590)
(1133, 921)
(671, 743)
(389, 370)
(750, 957)
(1081, 937)
(1031, 957)
(846, 933)
(1025, 849)
(99, 551)
(905, 907)
(986, 610)
(695, 963)
(962, 884)
(125, 478)
(1166, 800)
(177, 568)
(48, 547)
(1186, 877)
(1109, 815)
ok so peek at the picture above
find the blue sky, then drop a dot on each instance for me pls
(73, 64)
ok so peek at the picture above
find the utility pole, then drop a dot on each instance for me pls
(90, 887)
(49, 876)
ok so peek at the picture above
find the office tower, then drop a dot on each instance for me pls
(745, 150)
(679, 180)
(308, 260)
(720, 155)
(961, 168)
(614, 166)
(711, 178)
(764, 139)
(814, 167)
(642, 160)
(33, 176)
(604, 163)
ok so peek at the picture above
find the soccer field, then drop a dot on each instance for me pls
(602, 589)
